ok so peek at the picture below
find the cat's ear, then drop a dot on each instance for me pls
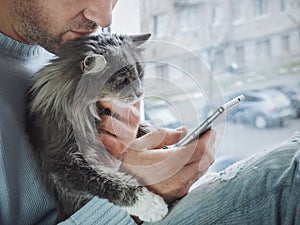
(93, 63)
(139, 39)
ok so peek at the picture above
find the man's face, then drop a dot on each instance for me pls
(50, 23)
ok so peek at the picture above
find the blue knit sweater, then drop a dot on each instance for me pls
(23, 198)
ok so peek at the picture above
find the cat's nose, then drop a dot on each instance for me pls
(139, 92)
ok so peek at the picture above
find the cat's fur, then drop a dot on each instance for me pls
(62, 120)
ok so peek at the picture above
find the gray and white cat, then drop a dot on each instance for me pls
(63, 124)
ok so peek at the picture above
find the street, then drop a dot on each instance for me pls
(242, 140)
(236, 141)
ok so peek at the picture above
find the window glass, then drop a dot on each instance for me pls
(237, 10)
(283, 5)
(285, 44)
(261, 7)
(160, 25)
(189, 17)
(193, 72)
(217, 14)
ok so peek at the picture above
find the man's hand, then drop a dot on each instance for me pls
(168, 172)
(121, 130)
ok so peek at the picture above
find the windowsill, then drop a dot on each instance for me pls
(184, 31)
(238, 22)
(261, 17)
(216, 24)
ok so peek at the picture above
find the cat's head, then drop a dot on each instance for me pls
(113, 59)
(86, 71)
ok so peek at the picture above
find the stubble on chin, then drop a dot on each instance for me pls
(33, 25)
(36, 25)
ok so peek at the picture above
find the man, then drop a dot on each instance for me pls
(268, 194)
(23, 26)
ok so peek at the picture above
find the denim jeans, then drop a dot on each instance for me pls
(264, 189)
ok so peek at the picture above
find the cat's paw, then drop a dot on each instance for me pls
(149, 207)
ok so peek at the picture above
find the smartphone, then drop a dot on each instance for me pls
(215, 117)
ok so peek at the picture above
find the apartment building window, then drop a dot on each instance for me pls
(219, 59)
(191, 65)
(162, 70)
(283, 5)
(106, 29)
(261, 7)
(236, 11)
(189, 17)
(217, 14)
(285, 44)
(263, 49)
(240, 54)
(160, 24)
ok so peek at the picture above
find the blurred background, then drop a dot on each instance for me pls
(204, 52)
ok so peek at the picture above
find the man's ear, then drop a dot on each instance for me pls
(139, 39)
(93, 63)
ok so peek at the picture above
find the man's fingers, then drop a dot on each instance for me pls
(157, 165)
(113, 145)
(159, 139)
(119, 129)
(130, 114)
(204, 147)
(167, 161)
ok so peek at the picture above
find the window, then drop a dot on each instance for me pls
(191, 64)
(160, 25)
(189, 17)
(220, 61)
(106, 29)
(240, 54)
(283, 5)
(261, 7)
(162, 70)
(217, 14)
(263, 49)
(285, 44)
(242, 45)
(237, 11)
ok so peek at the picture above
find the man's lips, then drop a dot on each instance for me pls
(72, 34)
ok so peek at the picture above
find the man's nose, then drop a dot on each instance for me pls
(100, 12)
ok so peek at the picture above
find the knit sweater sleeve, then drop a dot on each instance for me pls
(99, 211)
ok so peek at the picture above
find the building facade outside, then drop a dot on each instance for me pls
(230, 35)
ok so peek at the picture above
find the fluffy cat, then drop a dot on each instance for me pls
(63, 118)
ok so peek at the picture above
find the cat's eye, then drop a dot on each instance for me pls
(122, 80)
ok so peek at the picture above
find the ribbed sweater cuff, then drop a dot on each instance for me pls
(100, 211)
(17, 49)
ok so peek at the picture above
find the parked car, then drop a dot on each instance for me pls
(293, 94)
(262, 109)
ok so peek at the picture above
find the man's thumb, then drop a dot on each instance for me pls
(159, 138)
